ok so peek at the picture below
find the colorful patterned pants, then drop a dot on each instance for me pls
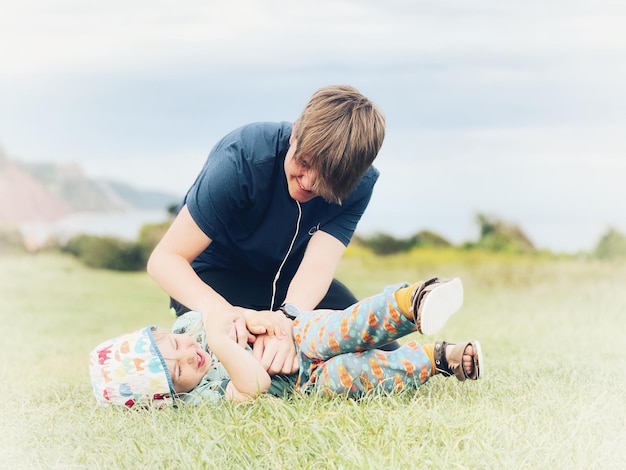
(337, 349)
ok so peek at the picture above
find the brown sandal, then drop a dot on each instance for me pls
(434, 302)
(452, 364)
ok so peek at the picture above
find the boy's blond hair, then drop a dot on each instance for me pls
(339, 134)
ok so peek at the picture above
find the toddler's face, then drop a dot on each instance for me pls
(186, 361)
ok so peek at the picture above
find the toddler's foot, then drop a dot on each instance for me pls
(434, 302)
(463, 360)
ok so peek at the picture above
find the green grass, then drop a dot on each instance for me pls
(553, 397)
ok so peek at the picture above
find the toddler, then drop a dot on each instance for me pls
(338, 352)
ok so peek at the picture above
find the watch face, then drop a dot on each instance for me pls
(290, 310)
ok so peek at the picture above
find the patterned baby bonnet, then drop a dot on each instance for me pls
(129, 370)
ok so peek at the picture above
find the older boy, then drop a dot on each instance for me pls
(270, 215)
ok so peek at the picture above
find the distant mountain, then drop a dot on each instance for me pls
(23, 198)
(45, 192)
(143, 199)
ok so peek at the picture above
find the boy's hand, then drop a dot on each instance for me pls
(276, 357)
(274, 324)
(231, 324)
(239, 333)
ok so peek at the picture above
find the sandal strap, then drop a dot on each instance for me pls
(452, 364)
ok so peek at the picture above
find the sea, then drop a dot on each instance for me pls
(124, 225)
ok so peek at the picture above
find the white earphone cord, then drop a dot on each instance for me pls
(293, 240)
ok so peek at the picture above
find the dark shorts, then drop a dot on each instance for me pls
(256, 292)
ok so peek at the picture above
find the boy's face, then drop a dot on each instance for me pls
(186, 361)
(300, 176)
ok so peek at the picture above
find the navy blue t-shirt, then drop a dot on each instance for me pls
(241, 201)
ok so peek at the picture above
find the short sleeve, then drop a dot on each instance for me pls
(343, 225)
(221, 190)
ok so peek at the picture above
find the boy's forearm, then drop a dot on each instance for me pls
(246, 373)
(170, 266)
(176, 276)
(316, 271)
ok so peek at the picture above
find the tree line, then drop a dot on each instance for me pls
(495, 235)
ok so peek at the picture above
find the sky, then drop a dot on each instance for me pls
(511, 109)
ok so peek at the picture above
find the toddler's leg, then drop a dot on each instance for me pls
(391, 371)
(368, 324)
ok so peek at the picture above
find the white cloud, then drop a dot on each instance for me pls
(72, 34)
(68, 35)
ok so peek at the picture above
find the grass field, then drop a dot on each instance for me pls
(553, 397)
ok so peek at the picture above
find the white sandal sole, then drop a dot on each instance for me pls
(439, 305)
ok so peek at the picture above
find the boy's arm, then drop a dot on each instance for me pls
(170, 266)
(307, 289)
(248, 378)
(316, 271)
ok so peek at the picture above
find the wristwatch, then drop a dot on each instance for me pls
(289, 310)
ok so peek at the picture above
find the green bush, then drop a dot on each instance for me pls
(611, 245)
(77, 245)
(114, 253)
(107, 253)
(497, 235)
(384, 244)
(428, 239)
(149, 236)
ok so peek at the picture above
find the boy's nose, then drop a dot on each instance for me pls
(307, 181)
